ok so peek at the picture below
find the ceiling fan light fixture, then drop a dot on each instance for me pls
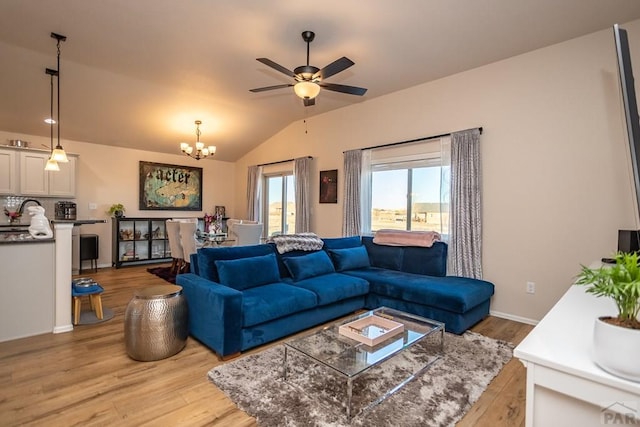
(306, 90)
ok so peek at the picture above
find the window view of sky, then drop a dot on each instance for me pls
(389, 188)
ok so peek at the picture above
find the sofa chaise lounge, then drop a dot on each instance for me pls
(245, 296)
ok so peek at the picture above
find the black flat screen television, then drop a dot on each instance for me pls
(630, 109)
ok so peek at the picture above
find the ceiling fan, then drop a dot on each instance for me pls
(309, 79)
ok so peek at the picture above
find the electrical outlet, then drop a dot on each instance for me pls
(531, 287)
(93, 206)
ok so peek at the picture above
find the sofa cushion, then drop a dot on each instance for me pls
(334, 287)
(310, 265)
(389, 257)
(350, 258)
(267, 302)
(342, 242)
(430, 261)
(455, 294)
(208, 256)
(245, 273)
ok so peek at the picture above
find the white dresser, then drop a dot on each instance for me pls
(564, 385)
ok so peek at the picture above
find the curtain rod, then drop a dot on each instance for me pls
(425, 138)
(281, 161)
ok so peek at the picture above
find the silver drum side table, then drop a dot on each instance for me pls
(155, 325)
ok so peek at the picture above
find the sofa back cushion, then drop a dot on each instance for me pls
(389, 257)
(310, 265)
(341, 242)
(245, 273)
(427, 261)
(350, 258)
(207, 257)
(418, 260)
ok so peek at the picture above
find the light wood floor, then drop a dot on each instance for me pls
(84, 377)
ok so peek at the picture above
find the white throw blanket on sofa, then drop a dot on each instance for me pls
(297, 242)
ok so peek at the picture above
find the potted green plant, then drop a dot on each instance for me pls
(617, 338)
(117, 210)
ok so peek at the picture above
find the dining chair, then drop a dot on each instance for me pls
(175, 245)
(188, 241)
(247, 234)
(231, 223)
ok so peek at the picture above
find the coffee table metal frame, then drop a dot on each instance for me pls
(355, 358)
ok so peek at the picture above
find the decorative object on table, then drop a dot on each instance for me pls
(441, 395)
(201, 151)
(218, 216)
(219, 212)
(329, 186)
(117, 210)
(371, 330)
(156, 323)
(208, 220)
(170, 187)
(12, 208)
(616, 339)
(39, 227)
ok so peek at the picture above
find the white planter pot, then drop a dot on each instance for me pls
(616, 350)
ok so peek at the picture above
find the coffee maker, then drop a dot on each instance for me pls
(65, 210)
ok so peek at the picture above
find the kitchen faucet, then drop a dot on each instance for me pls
(21, 208)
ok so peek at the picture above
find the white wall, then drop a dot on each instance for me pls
(556, 177)
(108, 175)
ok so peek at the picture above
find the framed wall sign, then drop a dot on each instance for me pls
(329, 186)
(170, 187)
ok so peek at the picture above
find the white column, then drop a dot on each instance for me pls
(62, 311)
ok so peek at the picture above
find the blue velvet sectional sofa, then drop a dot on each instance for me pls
(244, 296)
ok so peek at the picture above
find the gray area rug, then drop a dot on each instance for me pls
(316, 396)
(89, 317)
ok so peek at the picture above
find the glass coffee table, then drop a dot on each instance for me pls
(350, 358)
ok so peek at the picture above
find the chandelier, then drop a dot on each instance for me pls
(200, 150)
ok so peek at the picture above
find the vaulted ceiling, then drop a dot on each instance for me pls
(139, 73)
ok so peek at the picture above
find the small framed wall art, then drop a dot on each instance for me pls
(329, 186)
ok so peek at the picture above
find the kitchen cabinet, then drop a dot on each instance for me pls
(139, 241)
(8, 172)
(35, 181)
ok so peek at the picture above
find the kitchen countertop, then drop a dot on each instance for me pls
(23, 225)
(22, 238)
(78, 221)
(18, 233)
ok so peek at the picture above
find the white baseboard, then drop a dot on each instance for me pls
(62, 329)
(514, 317)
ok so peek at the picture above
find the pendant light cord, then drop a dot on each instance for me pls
(58, 121)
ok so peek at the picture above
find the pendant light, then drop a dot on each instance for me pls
(201, 151)
(58, 153)
(51, 165)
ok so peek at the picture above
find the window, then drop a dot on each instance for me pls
(409, 188)
(280, 211)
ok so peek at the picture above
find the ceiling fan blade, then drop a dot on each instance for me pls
(309, 102)
(276, 66)
(334, 68)
(262, 89)
(351, 90)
